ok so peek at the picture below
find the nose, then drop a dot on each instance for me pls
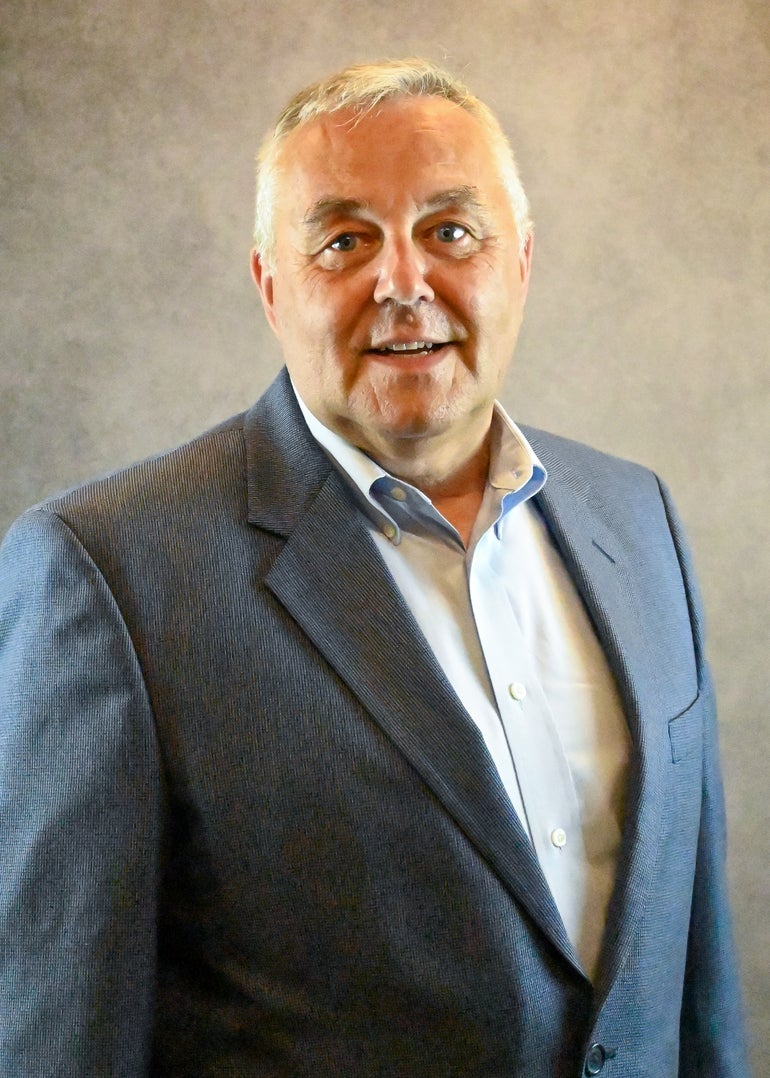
(401, 275)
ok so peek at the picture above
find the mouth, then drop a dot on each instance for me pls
(410, 348)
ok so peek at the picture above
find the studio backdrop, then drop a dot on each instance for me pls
(129, 321)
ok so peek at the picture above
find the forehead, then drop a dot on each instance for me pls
(404, 150)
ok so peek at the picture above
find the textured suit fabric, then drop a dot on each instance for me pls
(247, 828)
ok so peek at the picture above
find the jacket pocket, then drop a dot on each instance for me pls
(685, 732)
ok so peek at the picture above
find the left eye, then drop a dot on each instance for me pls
(346, 242)
(450, 233)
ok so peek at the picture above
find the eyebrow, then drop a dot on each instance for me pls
(464, 197)
(320, 212)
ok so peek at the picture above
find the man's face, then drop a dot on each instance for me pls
(397, 287)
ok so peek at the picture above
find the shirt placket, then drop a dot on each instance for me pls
(552, 814)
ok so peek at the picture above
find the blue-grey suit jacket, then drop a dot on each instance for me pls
(246, 827)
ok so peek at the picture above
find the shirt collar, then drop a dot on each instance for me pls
(515, 473)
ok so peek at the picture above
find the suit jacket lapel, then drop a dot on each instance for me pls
(604, 572)
(331, 579)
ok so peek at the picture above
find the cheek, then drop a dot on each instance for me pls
(501, 304)
(299, 323)
(478, 289)
(321, 306)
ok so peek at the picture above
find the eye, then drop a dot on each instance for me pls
(346, 250)
(451, 233)
(346, 242)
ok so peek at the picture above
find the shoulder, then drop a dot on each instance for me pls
(632, 501)
(629, 492)
(210, 477)
(208, 464)
(173, 501)
(564, 455)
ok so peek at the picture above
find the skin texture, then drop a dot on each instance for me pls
(394, 228)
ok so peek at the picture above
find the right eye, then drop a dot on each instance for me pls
(347, 250)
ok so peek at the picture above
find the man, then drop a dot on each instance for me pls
(339, 741)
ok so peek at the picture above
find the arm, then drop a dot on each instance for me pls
(712, 1038)
(80, 801)
(712, 1034)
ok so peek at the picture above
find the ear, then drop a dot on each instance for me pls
(263, 279)
(525, 264)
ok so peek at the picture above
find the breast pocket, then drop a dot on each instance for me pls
(684, 796)
(685, 733)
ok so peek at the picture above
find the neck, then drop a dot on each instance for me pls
(456, 492)
(450, 467)
(460, 510)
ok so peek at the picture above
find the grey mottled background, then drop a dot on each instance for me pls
(128, 321)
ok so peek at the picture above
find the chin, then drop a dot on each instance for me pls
(411, 425)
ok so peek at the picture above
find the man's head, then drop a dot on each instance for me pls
(392, 255)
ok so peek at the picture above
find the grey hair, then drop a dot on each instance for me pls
(362, 88)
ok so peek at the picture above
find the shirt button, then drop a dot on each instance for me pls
(398, 493)
(388, 531)
(559, 837)
(518, 690)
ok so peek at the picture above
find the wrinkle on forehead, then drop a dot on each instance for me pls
(463, 197)
(421, 115)
(421, 155)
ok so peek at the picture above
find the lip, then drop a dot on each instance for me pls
(411, 363)
(427, 357)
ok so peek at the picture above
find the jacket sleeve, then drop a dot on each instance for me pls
(712, 1036)
(80, 817)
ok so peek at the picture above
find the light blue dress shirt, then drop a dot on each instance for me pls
(513, 637)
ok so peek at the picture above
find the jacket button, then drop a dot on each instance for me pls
(595, 1057)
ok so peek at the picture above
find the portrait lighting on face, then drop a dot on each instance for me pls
(398, 280)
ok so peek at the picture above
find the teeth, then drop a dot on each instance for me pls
(408, 346)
